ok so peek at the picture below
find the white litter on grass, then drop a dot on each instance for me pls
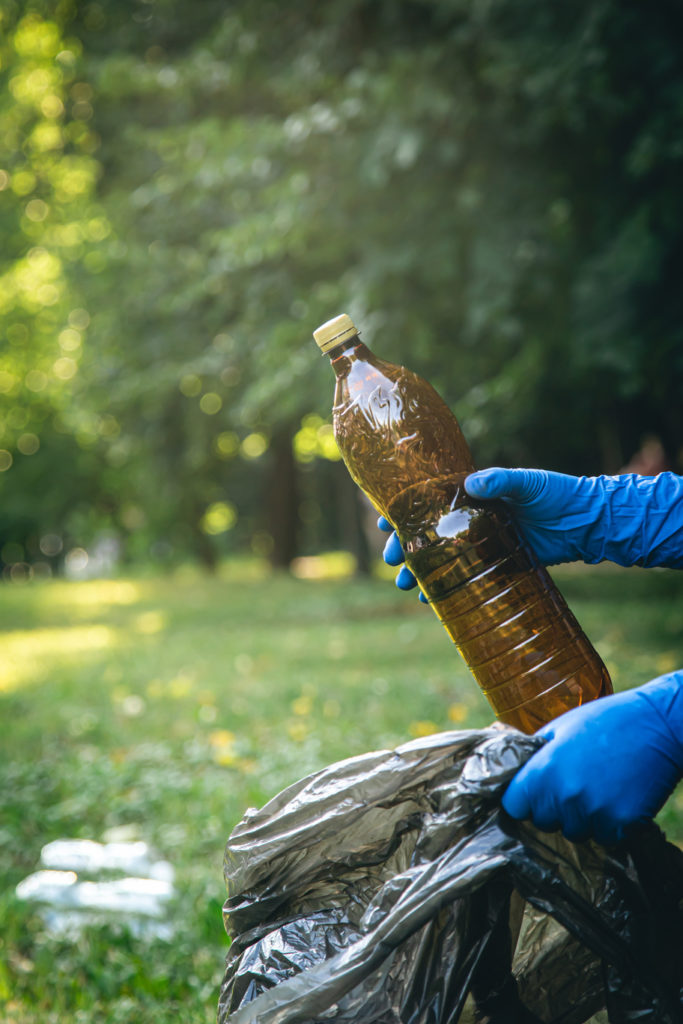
(90, 858)
(83, 882)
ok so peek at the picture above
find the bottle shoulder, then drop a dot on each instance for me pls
(387, 393)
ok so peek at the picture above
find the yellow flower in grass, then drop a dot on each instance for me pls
(303, 705)
(221, 738)
(457, 713)
(225, 756)
(422, 728)
(297, 731)
(223, 743)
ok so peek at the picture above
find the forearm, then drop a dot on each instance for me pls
(637, 520)
(631, 520)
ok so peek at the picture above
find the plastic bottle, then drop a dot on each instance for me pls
(404, 448)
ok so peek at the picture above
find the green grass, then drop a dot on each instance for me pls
(170, 705)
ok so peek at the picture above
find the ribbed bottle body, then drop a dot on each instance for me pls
(405, 449)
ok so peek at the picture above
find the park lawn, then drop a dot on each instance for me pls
(165, 706)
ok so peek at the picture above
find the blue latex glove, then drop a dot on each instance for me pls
(605, 766)
(393, 555)
(631, 520)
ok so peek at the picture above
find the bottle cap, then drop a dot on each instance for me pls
(334, 332)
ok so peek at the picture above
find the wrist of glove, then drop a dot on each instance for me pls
(605, 767)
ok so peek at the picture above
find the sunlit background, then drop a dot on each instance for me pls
(191, 609)
(491, 189)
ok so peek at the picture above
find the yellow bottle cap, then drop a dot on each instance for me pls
(334, 332)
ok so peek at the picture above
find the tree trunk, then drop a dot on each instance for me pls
(204, 548)
(283, 499)
(353, 514)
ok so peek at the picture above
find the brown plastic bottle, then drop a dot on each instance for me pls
(404, 448)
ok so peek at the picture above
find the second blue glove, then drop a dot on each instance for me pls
(605, 766)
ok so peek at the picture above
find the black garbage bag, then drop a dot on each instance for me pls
(392, 888)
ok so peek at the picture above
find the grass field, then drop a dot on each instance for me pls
(161, 708)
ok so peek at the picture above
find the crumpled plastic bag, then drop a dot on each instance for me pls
(392, 887)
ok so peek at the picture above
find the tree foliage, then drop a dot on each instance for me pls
(489, 188)
(50, 224)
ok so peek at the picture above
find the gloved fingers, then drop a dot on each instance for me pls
(575, 822)
(519, 485)
(606, 831)
(405, 579)
(516, 800)
(578, 832)
(532, 797)
(542, 813)
(393, 555)
(546, 821)
(393, 552)
(527, 795)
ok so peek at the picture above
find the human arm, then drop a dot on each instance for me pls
(605, 766)
(629, 519)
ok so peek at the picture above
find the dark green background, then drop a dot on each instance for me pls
(491, 188)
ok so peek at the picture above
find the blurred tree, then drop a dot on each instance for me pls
(490, 189)
(49, 223)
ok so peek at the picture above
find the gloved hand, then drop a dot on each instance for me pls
(605, 766)
(393, 555)
(630, 520)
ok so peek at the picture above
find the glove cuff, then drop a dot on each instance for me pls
(640, 520)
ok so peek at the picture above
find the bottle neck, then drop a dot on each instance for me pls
(348, 352)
